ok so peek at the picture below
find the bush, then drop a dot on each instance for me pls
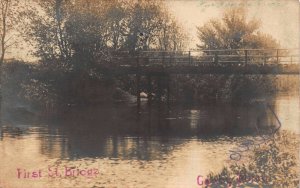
(274, 164)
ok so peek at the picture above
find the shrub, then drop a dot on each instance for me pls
(273, 164)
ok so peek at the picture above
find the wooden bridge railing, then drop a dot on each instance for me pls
(196, 57)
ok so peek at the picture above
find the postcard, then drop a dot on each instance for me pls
(149, 93)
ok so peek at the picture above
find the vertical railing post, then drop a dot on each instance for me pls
(216, 57)
(168, 91)
(174, 57)
(277, 56)
(246, 56)
(189, 57)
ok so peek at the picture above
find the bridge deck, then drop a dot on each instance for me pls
(200, 69)
(239, 61)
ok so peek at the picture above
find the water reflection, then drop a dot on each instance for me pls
(116, 131)
(177, 142)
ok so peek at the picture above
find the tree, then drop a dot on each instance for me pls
(88, 28)
(144, 23)
(9, 22)
(10, 12)
(171, 37)
(234, 31)
(117, 18)
(151, 27)
(46, 30)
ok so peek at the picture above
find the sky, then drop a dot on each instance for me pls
(280, 18)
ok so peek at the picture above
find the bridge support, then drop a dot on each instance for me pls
(138, 84)
(168, 91)
(159, 88)
(149, 88)
(138, 90)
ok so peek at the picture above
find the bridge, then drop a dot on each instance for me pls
(162, 64)
(237, 61)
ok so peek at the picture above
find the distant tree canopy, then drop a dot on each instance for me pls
(89, 28)
(234, 31)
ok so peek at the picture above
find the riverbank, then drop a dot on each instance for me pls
(50, 86)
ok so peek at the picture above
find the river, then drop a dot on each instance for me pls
(120, 146)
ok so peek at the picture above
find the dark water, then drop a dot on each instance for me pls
(155, 146)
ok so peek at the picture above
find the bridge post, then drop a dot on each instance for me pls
(216, 57)
(168, 90)
(138, 79)
(246, 56)
(277, 56)
(189, 57)
(159, 89)
(149, 94)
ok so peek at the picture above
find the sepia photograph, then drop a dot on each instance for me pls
(149, 93)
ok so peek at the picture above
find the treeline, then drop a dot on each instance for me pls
(89, 29)
(70, 38)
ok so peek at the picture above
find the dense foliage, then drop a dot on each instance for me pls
(272, 164)
(89, 29)
(236, 31)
